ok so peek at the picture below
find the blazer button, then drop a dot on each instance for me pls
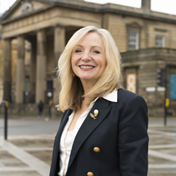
(90, 174)
(96, 149)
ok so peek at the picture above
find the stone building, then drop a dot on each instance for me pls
(1, 69)
(41, 28)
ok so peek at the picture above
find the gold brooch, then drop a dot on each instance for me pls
(95, 114)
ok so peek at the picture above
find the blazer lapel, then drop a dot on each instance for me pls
(55, 159)
(63, 123)
(89, 125)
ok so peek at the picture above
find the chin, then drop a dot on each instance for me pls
(85, 78)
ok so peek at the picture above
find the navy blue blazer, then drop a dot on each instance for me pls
(119, 133)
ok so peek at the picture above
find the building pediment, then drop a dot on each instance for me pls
(133, 25)
(23, 7)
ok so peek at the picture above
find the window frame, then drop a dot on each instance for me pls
(136, 44)
(162, 43)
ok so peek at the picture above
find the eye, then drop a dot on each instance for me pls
(77, 51)
(96, 52)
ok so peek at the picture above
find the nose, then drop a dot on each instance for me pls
(86, 56)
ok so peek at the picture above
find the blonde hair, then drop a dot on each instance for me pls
(72, 93)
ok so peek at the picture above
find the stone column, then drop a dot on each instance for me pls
(20, 73)
(33, 67)
(41, 66)
(59, 44)
(32, 78)
(7, 69)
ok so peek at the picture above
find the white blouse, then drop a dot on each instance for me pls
(68, 137)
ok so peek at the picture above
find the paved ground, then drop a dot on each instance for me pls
(28, 153)
(30, 125)
(162, 150)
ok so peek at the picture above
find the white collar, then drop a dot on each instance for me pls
(112, 96)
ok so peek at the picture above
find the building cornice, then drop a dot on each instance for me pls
(106, 8)
(156, 54)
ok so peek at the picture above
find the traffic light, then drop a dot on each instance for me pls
(160, 77)
(49, 85)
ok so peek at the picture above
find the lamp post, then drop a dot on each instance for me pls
(166, 100)
(50, 103)
(5, 104)
(162, 81)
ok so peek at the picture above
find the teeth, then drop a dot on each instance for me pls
(86, 66)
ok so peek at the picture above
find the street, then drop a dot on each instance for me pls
(28, 150)
(30, 125)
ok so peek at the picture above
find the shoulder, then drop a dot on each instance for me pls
(126, 95)
(67, 112)
(130, 99)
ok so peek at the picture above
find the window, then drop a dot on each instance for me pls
(133, 41)
(160, 41)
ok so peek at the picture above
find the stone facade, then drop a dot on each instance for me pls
(145, 63)
(1, 70)
(41, 28)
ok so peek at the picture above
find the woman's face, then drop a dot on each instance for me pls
(88, 59)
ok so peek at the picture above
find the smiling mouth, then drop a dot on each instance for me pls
(86, 66)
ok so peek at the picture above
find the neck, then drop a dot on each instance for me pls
(87, 86)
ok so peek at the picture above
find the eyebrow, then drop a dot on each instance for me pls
(91, 47)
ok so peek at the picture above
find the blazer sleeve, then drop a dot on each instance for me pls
(133, 138)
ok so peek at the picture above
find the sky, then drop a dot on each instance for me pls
(165, 6)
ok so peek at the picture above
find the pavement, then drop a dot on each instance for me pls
(28, 149)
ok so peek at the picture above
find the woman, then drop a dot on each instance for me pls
(103, 131)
